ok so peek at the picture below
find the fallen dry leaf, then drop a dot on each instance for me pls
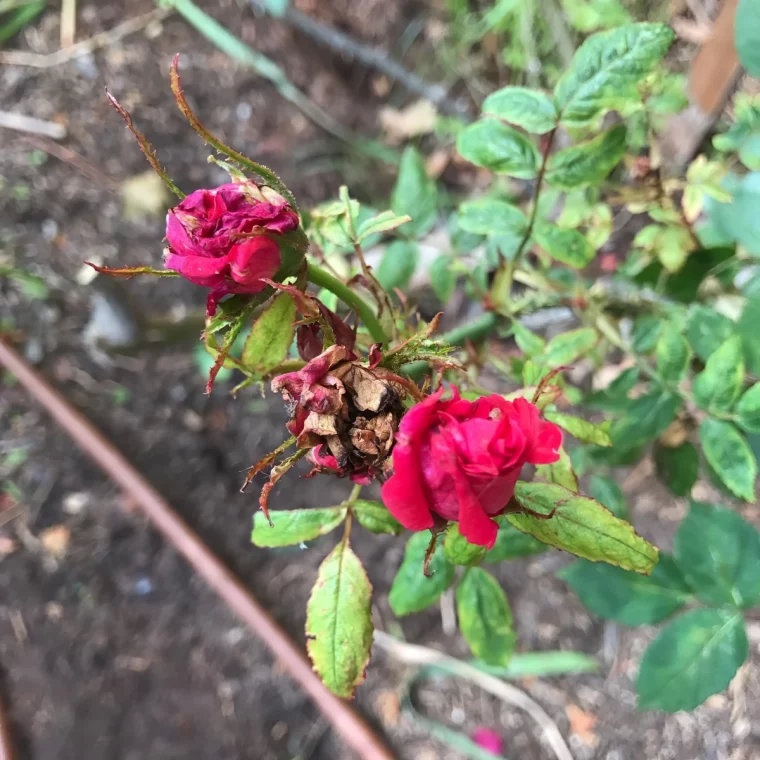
(388, 707)
(582, 724)
(55, 540)
(7, 546)
(416, 119)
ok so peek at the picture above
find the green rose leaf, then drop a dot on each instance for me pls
(268, 342)
(523, 107)
(747, 35)
(459, 550)
(691, 659)
(609, 494)
(512, 544)
(502, 149)
(606, 68)
(566, 347)
(629, 598)
(646, 334)
(728, 453)
(375, 517)
(411, 591)
(677, 467)
(339, 621)
(587, 163)
(707, 330)
(384, 222)
(719, 554)
(485, 618)
(581, 526)
(673, 355)
(566, 246)
(748, 410)
(748, 322)
(645, 418)
(560, 472)
(527, 341)
(398, 264)
(583, 430)
(291, 527)
(443, 280)
(415, 194)
(718, 386)
(489, 216)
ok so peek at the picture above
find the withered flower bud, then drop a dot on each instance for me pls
(345, 411)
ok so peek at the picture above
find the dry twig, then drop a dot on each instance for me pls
(412, 654)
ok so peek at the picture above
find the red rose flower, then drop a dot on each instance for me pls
(210, 242)
(461, 460)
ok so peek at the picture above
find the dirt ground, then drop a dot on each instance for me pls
(110, 648)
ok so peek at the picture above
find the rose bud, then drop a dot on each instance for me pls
(226, 239)
(460, 460)
(346, 412)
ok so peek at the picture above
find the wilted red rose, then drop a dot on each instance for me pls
(344, 410)
(461, 460)
(222, 238)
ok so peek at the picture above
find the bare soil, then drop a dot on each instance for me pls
(112, 649)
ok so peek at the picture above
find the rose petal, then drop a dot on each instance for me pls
(253, 259)
(201, 270)
(474, 524)
(402, 493)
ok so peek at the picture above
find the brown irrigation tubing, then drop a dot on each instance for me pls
(354, 730)
(6, 747)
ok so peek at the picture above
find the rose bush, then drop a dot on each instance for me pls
(460, 460)
(223, 238)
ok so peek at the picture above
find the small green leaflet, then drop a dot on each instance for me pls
(747, 35)
(271, 335)
(728, 453)
(560, 472)
(339, 621)
(645, 418)
(512, 544)
(459, 550)
(375, 517)
(485, 618)
(626, 597)
(569, 346)
(502, 149)
(694, 657)
(606, 68)
(566, 246)
(443, 280)
(398, 265)
(587, 163)
(646, 334)
(673, 355)
(523, 107)
(609, 494)
(707, 330)
(415, 194)
(718, 386)
(292, 527)
(581, 526)
(677, 467)
(488, 216)
(719, 554)
(383, 222)
(748, 410)
(411, 591)
(583, 430)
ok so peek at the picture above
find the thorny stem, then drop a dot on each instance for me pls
(323, 279)
(536, 194)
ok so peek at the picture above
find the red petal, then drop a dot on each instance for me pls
(402, 493)
(201, 270)
(474, 524)
(253, 259)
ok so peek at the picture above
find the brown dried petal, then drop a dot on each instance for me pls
(368, 392)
